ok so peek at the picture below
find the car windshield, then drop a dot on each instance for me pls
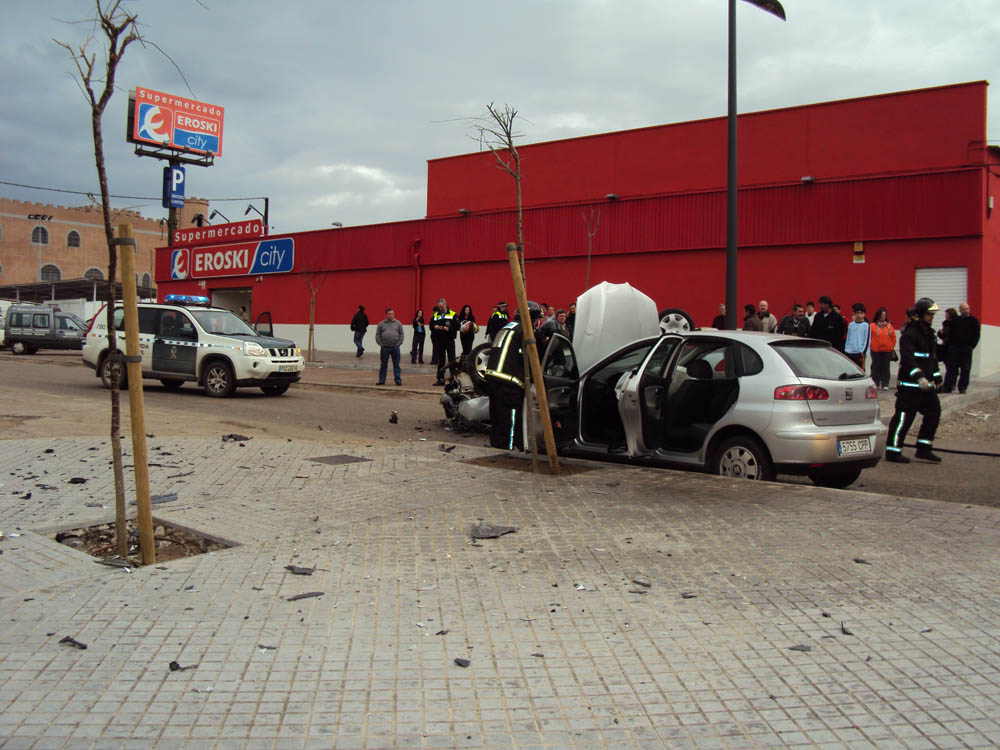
(222, 322)
(817, 360)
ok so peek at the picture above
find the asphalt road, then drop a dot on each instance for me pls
(55, 395)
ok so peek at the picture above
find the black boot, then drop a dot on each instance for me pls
(896, 457)
(926, 454)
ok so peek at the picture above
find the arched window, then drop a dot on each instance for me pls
(147, 280)
(94, 273)
(73, 239)
(51, 273)
(40, 236)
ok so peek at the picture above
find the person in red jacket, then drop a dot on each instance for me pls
(883, 344)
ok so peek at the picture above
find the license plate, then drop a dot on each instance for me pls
(854, 446)
(287, 368)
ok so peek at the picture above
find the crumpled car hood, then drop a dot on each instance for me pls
(609, 316)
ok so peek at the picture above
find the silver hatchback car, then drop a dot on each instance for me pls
(741, 404)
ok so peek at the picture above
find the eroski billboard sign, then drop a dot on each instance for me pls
(236, 259)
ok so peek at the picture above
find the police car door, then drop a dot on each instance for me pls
(562, 379)
(175, 346)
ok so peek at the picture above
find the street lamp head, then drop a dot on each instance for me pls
(771, 6)
(218, 213)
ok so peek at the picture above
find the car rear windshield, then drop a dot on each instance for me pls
(814, 359)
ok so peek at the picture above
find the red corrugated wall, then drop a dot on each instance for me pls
(900, 132)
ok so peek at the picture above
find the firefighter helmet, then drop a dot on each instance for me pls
(923, 306)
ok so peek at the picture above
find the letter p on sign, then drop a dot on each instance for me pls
(173, 187)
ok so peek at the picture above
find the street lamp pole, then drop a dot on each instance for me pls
(732, 231)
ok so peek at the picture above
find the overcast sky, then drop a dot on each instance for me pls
(333, 108)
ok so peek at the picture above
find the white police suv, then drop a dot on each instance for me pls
(184, 339)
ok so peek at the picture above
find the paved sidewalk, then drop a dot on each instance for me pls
(890, 604)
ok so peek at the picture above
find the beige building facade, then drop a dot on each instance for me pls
(42, 242)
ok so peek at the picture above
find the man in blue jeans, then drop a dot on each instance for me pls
(389, 337)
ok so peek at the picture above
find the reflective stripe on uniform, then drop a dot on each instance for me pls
(899, 429)
(921, 354)
(925, 442)
(904, 384)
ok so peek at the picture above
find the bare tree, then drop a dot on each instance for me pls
(314, 281)
(119, 29)
(592, 222)
(496, 131)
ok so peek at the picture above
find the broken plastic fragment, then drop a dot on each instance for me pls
(464, 663)
(307, 595)
(296, 570)
(69, 640)
(490, 531)
(800, 647)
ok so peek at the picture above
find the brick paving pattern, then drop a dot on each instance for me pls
(894, 598)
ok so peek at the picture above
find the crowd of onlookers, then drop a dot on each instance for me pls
(859, 335)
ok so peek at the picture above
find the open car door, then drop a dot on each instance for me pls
(263, 324)
(561, 380)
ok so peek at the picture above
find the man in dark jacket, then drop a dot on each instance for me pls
(497, 321)
(828, 325)
(444, 328)
(963, 337)
(917, 385)
(795, 324)
(359, 324)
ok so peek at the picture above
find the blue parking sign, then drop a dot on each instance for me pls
(173, 187)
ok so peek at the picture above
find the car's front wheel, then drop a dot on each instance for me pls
(18, 347)
(836, 479)
(171, 384)
(106, 375)
(219, 380)
(743, 457)
(275, 390)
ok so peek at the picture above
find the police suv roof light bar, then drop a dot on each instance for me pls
(187, 299)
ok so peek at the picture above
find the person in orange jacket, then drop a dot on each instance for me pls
(883, 345)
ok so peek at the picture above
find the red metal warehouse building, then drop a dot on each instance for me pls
(879, 200)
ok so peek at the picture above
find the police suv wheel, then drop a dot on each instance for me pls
(743, 457)
(275, 390)
(219, 381)
(18, 347)
(106, 372)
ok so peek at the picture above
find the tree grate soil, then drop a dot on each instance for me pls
(516, 463)
(171, 542)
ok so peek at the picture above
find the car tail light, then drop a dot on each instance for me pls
(872, 392)
(800, 393)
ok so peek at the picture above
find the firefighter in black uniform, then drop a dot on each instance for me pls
(497, 321)
(505, 378)
(917, 387)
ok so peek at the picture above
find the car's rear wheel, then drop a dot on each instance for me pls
(18, 347)
(219, 380)
(171, 384)
(275, 390)
(743, 457)
(835, 479)
(106, 376)
(675, 320)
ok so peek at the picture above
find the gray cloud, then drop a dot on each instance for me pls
(333, 108)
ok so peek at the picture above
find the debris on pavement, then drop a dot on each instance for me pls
(262, 647)
(71, 641)
(442, 632)
(235, 438)
(844, 629)
(307, 595)
(638, 591)
(800, 647)
(540, 656)
(175, 667)
(640, 580)
(861, 561)
(490, 531)
(168, 497)
(77, 480)
(297, 570)
(446, 448)
(464, 663)
(394, 418)
(927, 630)
(688, 595)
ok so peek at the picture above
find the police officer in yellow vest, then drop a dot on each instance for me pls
(444, 328)
(505, 378)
